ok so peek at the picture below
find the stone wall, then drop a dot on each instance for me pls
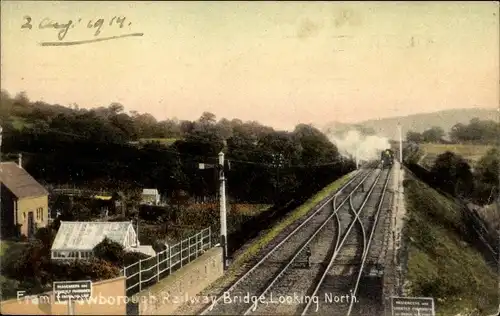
(108, 298)
(186, 283)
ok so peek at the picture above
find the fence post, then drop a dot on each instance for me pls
(209, 237)
(189, 249)
(169, 260)
(196, 245)
(140, 277)
(158, 267)
(181, 252)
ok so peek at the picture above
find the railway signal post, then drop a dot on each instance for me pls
(1, 135)
(400, 145)
(222, 205)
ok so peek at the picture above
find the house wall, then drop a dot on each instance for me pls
(26, 205)
(149, 198)
(108, 298)
(7, 212)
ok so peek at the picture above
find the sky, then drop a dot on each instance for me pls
(279, 63)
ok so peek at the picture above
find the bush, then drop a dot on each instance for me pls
(95, 269)
(132, 257)
(32, 265)
(110, 251)
(159, 246)
(46, 235)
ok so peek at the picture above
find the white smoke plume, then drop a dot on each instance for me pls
(353, 143)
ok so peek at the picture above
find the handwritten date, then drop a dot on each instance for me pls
(63, 28)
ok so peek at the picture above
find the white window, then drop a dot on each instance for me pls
(39, 214)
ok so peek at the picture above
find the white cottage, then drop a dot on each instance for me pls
(150, 196)
(76, 240)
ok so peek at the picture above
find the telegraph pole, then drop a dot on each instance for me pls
(222, 199)
(277, 161)
(400, 145)
(1, 136)
(357, 159)
(222, 205)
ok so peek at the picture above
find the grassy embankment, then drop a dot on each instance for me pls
(441, 263)
(472, 153)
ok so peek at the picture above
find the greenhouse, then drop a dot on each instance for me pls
(77, 240)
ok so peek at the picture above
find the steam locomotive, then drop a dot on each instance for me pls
(387, 158)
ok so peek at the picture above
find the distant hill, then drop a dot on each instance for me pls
(418, 122)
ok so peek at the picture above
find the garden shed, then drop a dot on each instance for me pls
(77, 240)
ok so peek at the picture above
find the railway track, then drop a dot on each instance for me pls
(335, 292)
(290, 293)
(250, 289)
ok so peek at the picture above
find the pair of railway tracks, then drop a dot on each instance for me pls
(339, 239)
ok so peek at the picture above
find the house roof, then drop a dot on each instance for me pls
(19, 181)
(86, 235)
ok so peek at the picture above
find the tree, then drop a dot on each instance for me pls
(110, 251)
(116, 108)
(487, 175)
(207, 118)
(21, 99)
(125, 124)
(91, 149)
(477, 131)
(6, 105)
(453, 174)
(433, 135)
(224, 128)
(414, 137)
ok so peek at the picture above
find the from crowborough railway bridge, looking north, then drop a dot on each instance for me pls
(343, 160)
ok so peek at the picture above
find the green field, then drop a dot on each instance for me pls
(441, 264)
(472, 153)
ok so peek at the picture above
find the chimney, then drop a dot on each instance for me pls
(20, 160)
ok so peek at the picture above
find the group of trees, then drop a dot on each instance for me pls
(432, 135)
(110, 123)
(453, 174)
(476, 132)
(93, 148)
(98, 149)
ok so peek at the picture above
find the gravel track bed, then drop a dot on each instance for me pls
(341, 276)
(370, 288)
(257, 281)
(286, 297)
(220, 286)
(334, 294)
(263, 275)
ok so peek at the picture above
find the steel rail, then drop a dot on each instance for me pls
(346, 234)
(363, 232)
(370, 238)
(254, 306)
(255, 266)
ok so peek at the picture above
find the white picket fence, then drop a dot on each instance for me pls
(147, 272)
